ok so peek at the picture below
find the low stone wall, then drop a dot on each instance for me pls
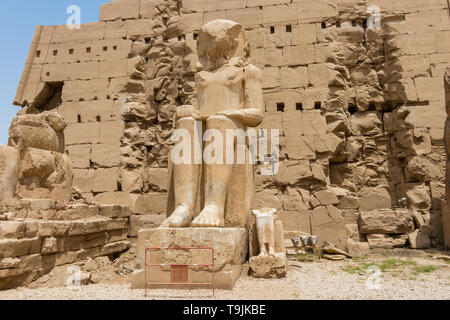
(31, 245)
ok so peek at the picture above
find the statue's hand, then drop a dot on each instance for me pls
(233, 114)
(187, 111)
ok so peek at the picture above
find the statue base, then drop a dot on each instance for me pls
(230, 251)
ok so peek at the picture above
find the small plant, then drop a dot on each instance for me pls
(359, 258)
(361, 268)
(352, 269)
(306, 257)
(424, 269)
(296, 295)
(390, 264)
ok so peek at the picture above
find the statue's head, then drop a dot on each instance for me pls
(221, 42)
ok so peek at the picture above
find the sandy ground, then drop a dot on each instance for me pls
(408, 275)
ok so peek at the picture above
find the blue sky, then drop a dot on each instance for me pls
(18, 20)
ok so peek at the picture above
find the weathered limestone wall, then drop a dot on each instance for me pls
(361, 111)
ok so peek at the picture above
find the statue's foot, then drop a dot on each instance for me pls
(180, 218)
(210, 217)
(263, 254)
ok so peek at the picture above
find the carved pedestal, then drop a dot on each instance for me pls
(230, 248)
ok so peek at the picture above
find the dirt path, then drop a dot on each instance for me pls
(403, 274)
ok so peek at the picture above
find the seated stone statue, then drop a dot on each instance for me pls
(36, 146)
(229, 97)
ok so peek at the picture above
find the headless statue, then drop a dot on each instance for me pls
(229, 97)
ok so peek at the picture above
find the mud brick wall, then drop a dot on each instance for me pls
(361, 112)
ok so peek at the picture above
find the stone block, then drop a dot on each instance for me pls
(313, 123)
(429, 88)
(120, 10)
(158, 179)
(374, 198)
(115, 29)
(111, 50)
(304, 34)
(328, 224)
(296, 221)
(106, 155)
(367, 123)
(138, 222)
(268, 198)
(151, 203)
(385, 221)
(69, 111)
(116, 224)
(286, 13)
(110, 132)
(12, 229)
(115, 247)
(356, 248)
(326, 197)
(83, 179)
(432, 119)
(149, 8)
(299, 55)
(80, 90)
(105, 180)
(94, 240)
(419, 240)
(140, 28)
(244, 16)
(96, 111)
(81, 133)
(230, 250)
(318, 74)
(121, 198)
(132, 180)
(273, 57)
(294, 77)
(115, 211)
(271, 77)
(418, 195)
(386, 241)
(80, 155)
(10, 248)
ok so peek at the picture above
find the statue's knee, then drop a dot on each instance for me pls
(218, 121)
(185, 123)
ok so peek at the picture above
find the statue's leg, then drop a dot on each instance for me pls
(217, 179)
(186, 178)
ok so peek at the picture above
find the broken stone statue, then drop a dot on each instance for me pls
(271, 261)
(214, 195)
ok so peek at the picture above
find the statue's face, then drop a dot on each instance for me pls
(218, 42)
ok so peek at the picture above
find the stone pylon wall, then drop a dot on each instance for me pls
(361, 112)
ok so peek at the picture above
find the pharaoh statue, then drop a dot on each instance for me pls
(229, 97)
